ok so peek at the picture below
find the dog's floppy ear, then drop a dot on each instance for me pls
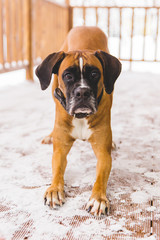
(47, 67)
(111, 69)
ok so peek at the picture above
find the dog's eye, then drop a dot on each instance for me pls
(94, 74)
(68, 77)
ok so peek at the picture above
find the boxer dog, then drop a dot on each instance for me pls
(84, 77)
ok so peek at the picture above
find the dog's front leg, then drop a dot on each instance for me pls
(98, 203)
(54, 195)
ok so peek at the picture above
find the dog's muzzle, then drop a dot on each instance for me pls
(82, 102)
(82, 108)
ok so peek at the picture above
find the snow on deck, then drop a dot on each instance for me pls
(27, 115)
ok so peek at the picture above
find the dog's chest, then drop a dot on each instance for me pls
(80, 129)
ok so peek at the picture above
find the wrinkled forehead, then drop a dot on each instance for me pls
(80, 59)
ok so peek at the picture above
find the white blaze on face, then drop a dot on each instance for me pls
(82, 83)
(81, 64)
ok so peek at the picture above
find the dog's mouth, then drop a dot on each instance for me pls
(82, 111)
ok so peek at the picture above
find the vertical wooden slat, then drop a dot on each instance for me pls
(25, 32)
(61, 10)
(120, 31)
(36, 24)
(108, 22)
(144, 34)
(96, 16)
(19, 30)
(42, 39)
(56, 15)
(29, 69)
(84, 16)
(8, 31)
(13, 30)
(38, 27)
(1, 33)
(157, 32)
(132, 29)
(70, 17)
(58, 23)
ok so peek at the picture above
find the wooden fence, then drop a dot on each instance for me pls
(31, 29)
(50, 27)
(121, 23)
(14, 35)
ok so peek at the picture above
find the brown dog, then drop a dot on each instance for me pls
(84, 79)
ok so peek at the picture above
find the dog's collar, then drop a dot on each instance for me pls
(61, 98)
(100, 97)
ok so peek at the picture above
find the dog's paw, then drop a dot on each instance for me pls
(47, 140)
(54, 197)
(98, 207)
(114, 147)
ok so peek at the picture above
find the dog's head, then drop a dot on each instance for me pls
(81, 77)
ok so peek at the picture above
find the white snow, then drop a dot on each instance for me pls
(140, 197)
(12, 78)
(27, 115)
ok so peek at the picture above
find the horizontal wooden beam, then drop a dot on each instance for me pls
(119, 7)
(61, 5)
(139, 60)
(4, 69)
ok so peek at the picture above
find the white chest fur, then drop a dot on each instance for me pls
(81, 129)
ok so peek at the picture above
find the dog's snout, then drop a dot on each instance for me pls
(82, 93)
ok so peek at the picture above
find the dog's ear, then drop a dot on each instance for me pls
(111, 69)
(47, 67)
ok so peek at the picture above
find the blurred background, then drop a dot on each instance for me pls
(31, 29)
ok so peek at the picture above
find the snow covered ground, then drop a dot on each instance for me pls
(27, 115)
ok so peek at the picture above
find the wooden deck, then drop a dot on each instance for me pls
(134, 183)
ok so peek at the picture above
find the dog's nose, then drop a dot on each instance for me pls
(82, 93)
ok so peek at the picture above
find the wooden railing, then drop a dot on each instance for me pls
(14, 35)
(32, 29)
(125, 41)
(29, 31)
(50, 27)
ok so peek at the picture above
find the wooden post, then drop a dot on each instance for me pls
(20, 27)
(132, 31)
(70, 15)
(144, 33)
(29, 69)
(120, 32)
(70, 18)
(1, 34)
(8, 31)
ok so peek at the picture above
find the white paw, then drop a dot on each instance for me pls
(114, 147)
(47, 140)
(98, 208)
(54, 198)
